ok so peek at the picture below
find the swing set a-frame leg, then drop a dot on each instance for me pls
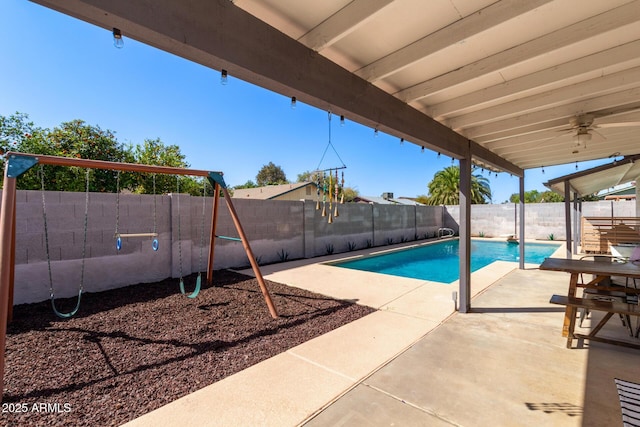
(252, 260)
(7, 226)
(212, 238)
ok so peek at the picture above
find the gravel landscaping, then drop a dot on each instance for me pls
(131, 350)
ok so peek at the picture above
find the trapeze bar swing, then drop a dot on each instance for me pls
(328, 184)
(155, 245)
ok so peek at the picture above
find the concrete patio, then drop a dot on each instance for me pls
(416, 361)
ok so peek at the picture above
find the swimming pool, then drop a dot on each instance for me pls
(438, 262)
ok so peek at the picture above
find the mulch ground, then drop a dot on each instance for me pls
(131, 350)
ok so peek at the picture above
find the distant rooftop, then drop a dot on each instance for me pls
(387, 199)
(270, 191)
(619, 192)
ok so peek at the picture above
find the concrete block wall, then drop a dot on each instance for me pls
(275, 230)
(607, 208)
(393, 224)
(545, 219)
(428, 220)
(541, 219)
(493, 220)
(364, 225)
(354, 226)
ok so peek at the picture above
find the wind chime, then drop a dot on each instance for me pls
(328, 186)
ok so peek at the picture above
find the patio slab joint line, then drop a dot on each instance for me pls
(413, 405)
(323, 367)
(424, 283)
(370, 374)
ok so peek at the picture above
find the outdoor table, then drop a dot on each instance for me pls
(601, 270)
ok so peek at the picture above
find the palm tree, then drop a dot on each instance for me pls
(444, 188)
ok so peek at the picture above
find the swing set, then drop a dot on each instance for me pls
(17, 164)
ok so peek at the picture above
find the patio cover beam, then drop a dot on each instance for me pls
(220, 35)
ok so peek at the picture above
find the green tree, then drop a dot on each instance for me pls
(444, 188)
(590, 198)
(14, 130)
(155, 152)
(350, 194)
(530, 196)
(550, 197)
(305, 176)
(271, 174)
(534, 196)
(83, 141)
(80, 140)
(70, 139)
(423, 198)
(248, 184)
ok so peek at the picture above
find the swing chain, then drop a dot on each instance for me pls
(154, 243)
(155, 205)
(204, 193)
(86, 226)
(46, 231)
(179, 238)
(117, 201)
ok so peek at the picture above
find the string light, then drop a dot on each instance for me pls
(422, 150)
(438, 154)
(224, 77)
(576, 165)
(294, 101)
(375, 132)
(118, 42)
(543, 170)
(401, 141)
(452, 160)
(341, 121)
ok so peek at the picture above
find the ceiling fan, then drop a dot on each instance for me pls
(583, 128)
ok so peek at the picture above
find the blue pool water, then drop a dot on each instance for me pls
(438, 262)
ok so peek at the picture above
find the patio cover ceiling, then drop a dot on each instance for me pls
(592, 180)
(510, 83)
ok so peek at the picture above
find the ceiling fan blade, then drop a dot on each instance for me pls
(617, 125)
(565, 132)
(600, 137)
(568, 130)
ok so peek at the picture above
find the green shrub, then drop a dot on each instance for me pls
(283, 255)
(329, 248)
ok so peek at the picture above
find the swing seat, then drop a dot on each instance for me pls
(119, 236)
(69, 314)
(126, 235)
(235, 239)
(196, 291)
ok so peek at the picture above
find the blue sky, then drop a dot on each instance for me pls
(56, 68)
